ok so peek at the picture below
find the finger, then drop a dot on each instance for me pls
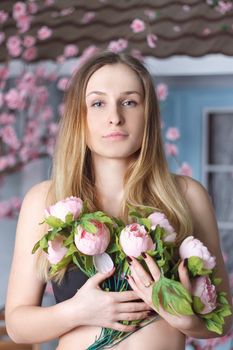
(132, 307)
(139, 273)
(152, 266)
(124, 296)
(184, 276)
(100, 277)
(133, 316)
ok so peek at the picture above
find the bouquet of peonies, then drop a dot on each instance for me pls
(95, 242)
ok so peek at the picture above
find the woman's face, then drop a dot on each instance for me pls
(115, 111)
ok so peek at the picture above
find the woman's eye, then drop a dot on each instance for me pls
(129, 103)
(97, 104)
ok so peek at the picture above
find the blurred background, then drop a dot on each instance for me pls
(188, 48)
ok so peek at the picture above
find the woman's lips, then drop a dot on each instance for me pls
(115, 136)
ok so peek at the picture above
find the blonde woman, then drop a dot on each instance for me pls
(109, 152)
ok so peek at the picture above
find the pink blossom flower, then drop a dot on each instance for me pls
(137, 54)
(162, 91)
(177, 29)
(118, 45)
(151, 40)
(71, 50)
(202, 288)
(4, 71)
(173, 134)
(53, 128)
(185, 169)
(150, 13)
(224, 7)
(186, 8)
(134, 240)
(88, 17)
(63, 84)
(67, 11)
(32, 7)
(14, 99)
(44, 33)
(171, 149)
(7, 161)
(88, 52)
(3, 16)
(2, 37)
(206, 31)
(30, 53)
(14, 45)
(56, 250)
(71, 205)
(7, 118)
(29, 41)
(193, 247)
(19, 9)
(1, 99)
(47, 113)
(160, 219)
(23, 23)
(92, 243)
(60, 59)
(9, 136)
(137, 25)
(61, 108)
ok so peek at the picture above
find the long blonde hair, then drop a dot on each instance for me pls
(147, 181)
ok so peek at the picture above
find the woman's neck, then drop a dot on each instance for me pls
(109, 181)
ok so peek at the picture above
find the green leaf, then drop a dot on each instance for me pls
(196, 267)
(216, 281)
(63, 263)
(69, 240)
(72, 249)
(36, 246)
(69, 218)
(88, 226)
(213, 326)
(145, 222)
(197, 304)
(54, 222)
(44, 243)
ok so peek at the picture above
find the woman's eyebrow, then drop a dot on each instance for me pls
(122, 93)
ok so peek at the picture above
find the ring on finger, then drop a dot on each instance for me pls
(148, 284)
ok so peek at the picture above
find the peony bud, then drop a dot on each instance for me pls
(134, 240)
(193, 247)
(92, 243)
(71, 205)
(202, 288)
(56, 250)
(160, 219)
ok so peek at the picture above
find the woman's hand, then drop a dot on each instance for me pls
(99, 308)
(141, 282)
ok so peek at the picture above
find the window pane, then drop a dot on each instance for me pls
(221, 138)
(221, 190)
(226, 237)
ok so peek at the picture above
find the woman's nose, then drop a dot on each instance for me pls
(115, 116)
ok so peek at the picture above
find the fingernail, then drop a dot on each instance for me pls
(143, 255)
(185, 262)
(137, 326)
(127, 277)
(151, 313)
(129, 260)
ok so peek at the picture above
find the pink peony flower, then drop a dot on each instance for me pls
(173, 134)
(44, 33)
(193, 247)
(185, 169)
(137, 25)
(161, 91)
(151, 40)
(56, 250)
(134, 240)
(202, 288)
(92, 243)
(160, 219)
(71, 205)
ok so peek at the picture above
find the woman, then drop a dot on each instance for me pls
(109, 152)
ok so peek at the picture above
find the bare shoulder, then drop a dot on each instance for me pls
(191, 188)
